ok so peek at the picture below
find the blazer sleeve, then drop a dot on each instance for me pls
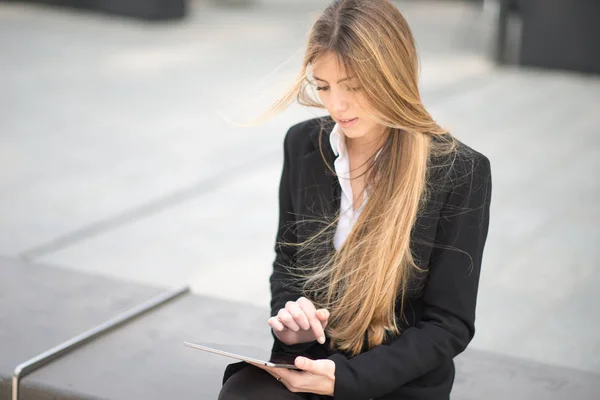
(449, 298)
(282, 290)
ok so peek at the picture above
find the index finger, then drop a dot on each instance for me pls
(311, 314)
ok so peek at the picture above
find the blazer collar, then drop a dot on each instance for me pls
(325, 184)
(320, 132)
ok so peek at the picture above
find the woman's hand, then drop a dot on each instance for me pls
(300, 322)
(317, 376)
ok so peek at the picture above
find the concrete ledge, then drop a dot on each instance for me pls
(485, 375)
(146, 358)
(41, 306)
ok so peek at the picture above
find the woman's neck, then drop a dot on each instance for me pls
(367, 145)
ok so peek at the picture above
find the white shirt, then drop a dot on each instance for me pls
(348, 215)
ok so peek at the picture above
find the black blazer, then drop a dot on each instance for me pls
(448, 241)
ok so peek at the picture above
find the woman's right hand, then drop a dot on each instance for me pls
(300, 322)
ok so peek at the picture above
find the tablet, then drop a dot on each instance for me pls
(247, 353)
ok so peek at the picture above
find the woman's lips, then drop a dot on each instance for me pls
(346, 123)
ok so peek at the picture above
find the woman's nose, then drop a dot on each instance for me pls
(338, 102)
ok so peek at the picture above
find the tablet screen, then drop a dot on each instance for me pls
(246, 353)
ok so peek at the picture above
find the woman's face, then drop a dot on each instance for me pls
(343, 99)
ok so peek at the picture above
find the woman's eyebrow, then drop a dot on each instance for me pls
(341, 80)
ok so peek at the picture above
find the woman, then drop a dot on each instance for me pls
(383, 220)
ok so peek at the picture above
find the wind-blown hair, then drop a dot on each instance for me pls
(361, 282)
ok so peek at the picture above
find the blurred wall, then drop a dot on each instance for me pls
(142, 9)
(561, 34)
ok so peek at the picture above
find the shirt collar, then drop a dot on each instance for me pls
(337, 140)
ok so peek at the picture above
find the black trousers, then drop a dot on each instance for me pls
(253, 383)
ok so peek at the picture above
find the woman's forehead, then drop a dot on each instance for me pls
(328, 67)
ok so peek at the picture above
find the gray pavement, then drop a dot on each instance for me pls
(120, 159)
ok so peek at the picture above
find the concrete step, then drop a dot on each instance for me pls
(43, 305)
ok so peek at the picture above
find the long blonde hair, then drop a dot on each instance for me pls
(361, 282)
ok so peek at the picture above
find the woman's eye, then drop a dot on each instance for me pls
(322, 88)
(354, 89)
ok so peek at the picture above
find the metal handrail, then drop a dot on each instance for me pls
(49, 355)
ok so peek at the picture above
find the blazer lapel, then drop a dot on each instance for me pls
(320, 161)
(320, 188)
